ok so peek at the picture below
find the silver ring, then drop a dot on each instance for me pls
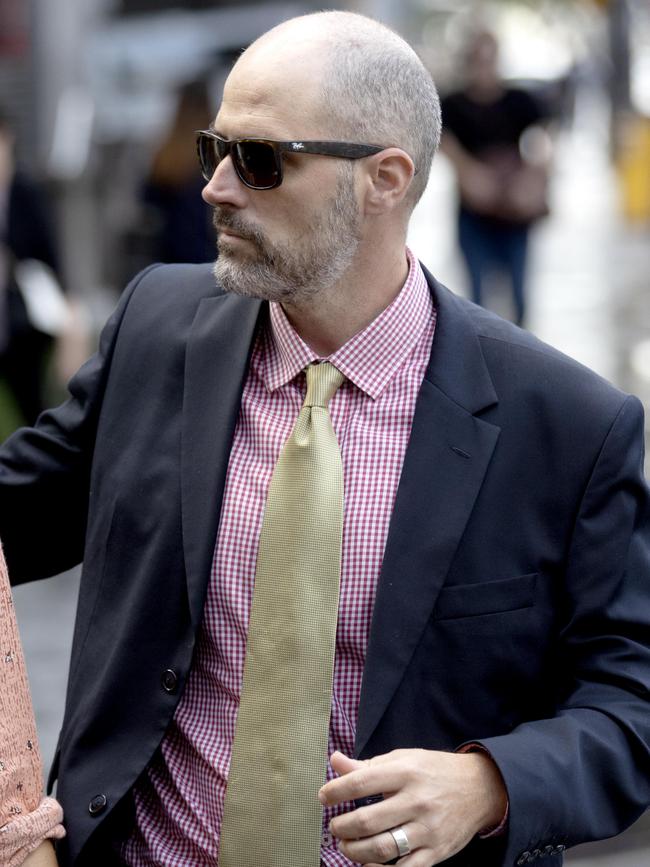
(401, 841)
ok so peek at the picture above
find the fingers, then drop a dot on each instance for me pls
(430, 795)
(382, 848)
(422, 858)
(372, 820)
(362, 833)
(343, 765)
(359, 779)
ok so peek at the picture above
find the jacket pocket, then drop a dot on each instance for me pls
(489, 597)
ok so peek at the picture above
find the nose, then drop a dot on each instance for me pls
(224, 187)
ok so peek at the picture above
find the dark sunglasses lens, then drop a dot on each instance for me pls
(209, 156)
(257, 164)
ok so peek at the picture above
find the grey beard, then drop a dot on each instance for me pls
(278, 279)
(300, 270)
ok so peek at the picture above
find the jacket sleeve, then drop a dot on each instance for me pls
(45, 471)
(585, 773)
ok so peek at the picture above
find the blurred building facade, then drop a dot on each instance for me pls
(92, 85)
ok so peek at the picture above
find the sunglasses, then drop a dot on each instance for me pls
(258, 162)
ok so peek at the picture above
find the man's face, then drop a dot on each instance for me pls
(297, 240)
(483, 62)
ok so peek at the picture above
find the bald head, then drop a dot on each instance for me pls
(356, 80)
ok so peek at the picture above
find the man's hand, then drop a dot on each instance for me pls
(441, 800)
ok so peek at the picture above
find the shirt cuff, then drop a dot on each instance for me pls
(26, 832)
(495, 830)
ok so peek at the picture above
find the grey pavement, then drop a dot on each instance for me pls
(588, 298)
(45, 612)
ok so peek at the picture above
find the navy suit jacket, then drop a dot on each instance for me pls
(513, 605)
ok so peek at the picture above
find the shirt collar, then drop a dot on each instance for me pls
(371, 357)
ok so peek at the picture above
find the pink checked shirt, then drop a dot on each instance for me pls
(179, 801)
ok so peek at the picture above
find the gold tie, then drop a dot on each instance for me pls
(272, 816)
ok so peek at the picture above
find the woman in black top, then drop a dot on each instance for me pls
(499, 195)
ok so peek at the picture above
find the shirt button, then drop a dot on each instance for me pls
(97, 805)
(169, 680)
(327, 838)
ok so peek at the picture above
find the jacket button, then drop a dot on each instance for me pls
(523, 859)
(97, 805)
(169, 681)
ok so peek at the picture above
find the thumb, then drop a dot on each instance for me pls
(342, 764)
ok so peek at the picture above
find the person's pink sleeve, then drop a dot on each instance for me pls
(26, 818)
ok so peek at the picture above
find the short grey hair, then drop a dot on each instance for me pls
(378, 91)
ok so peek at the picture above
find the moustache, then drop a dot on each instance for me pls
(225, 220)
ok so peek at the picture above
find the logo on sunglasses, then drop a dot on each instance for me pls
(297, 145)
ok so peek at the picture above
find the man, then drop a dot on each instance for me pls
(487, 702)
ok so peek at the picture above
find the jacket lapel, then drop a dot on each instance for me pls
(448, 454)
(218, 353)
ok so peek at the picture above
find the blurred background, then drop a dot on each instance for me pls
(98, 177)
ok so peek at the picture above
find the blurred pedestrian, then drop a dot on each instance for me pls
(492, 135)
(28, 820)
(179, 221)
(29, 293)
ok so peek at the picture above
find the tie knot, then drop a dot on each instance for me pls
(322, 382)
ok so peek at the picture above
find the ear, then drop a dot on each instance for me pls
(388, 178)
